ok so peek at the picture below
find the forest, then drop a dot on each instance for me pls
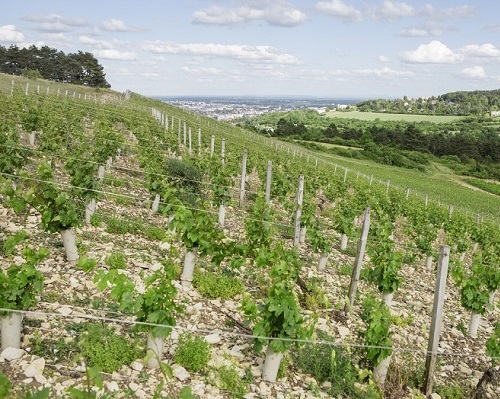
(470, 146)
(80, 68)
(478, 102)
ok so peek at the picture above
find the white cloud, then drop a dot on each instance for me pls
(383, 73)
(54, 23)
(10, 34)
(393, 10)
(278, 13)
(383, 58)
(339, 9)
(475, 72)
(112, 54)
(487, 50)
(240, 52)
(464, 11)
(95, 43)
(414, 32)
(117, 25)
(434, 52)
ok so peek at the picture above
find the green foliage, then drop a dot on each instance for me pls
(83, 178)
(279, 314)
(56, 349)
(116, 260)
(217, 285)
(450, 391)
(377, 318)
(156, 305)
(5, 386)
(12, 156)
(192, 352)
(230, 381)
(259, 227)
(43, 393)
(387, 262)
(20, 285)
(327, 362)
(490, 187)
(93, 379)
(493, 344)
(103, 348)
(58, 210)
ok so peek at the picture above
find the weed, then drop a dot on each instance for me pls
(96, 220)
(117, 260)
(217, 285)
(108, 351)
(4, 386)
(193, 352)
(57, 349)
(329, 363)
(450, 391)
(229, 380)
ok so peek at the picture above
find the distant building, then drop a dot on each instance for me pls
(494, 114)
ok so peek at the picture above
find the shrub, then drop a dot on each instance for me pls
(217, 285)
(101, 347)
(193, 352)
(230, 381)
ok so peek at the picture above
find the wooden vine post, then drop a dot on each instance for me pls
(268, 181)
(437, 318)
(243, 177)
(358, 261)
(298, 212)
(212, 146)
(199, 141)
(223, 150)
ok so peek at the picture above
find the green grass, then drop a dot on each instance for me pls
(371, 116)
(491, 187)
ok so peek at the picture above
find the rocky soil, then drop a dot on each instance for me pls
(70, 297)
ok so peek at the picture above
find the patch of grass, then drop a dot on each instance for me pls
(117, 260)
(54, 349)
(327, 363)
(102, 347)
(450, 392)
(193, 353)
(217, 285)
(128, 225)
(230, 381)
(316, 297)
(490, 187)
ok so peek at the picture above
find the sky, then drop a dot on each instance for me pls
(330, 48)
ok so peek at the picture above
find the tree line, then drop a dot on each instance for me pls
(464, 103)
(80, 68)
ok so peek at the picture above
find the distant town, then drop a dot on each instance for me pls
(231, 108)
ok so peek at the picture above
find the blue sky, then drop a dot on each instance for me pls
(328, 48)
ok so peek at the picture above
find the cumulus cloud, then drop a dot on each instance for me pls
(113, 54)
(241, 52)
(117, 25)
(339, 9)
(10, 34)
(465, 11)
(486, 50)
(433, 52)
(383, 58)
(475, 72)
(393, 10)
(278, 13)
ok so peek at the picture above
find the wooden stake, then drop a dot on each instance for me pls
(268, 181)
(358, 262)
(212, 146)
(243, 177)
(298, 212)
(223, 150)
(437, 318)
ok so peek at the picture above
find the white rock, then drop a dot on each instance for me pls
(10, 354)
(112, 386)
(141, 394)
(343, 331)
(180, 372)
(212, 338)
(35, 368)
(136, 365)
(435, 395)
(133, 386)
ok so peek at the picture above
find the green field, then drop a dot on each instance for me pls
(439, 184)
(371, 116)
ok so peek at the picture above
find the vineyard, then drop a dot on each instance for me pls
(150, 252)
